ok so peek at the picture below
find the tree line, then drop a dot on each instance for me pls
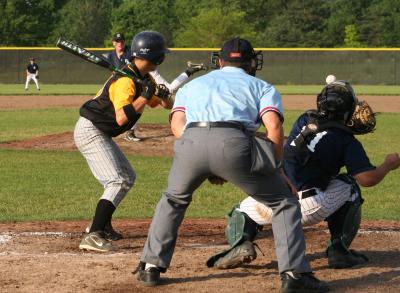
(204, 23)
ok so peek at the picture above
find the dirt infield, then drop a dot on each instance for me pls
(44, 256)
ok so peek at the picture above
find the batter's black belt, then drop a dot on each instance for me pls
(308, 193)
(219, 124)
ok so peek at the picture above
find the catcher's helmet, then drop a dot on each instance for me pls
(149, 45)
(337, 101)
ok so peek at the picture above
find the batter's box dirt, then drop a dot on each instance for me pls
(44, 257)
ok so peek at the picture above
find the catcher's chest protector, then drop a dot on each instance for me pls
(314, 126)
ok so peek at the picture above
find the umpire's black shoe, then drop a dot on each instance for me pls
(148, 277)
(339, 259)
(293, 282)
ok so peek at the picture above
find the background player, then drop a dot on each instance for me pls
(32, 73)
(117, 106)
(121, 55)
(319, 145)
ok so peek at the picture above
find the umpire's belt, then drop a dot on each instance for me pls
(308, 193)
(219, 124)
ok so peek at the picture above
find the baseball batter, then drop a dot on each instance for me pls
(212, 117)
(32, 72)
(116, 107)
(172, 87)
(319, 145)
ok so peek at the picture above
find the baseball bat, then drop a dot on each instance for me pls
(81, 52)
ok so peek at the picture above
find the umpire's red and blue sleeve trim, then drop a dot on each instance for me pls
(181, 109)
(176, 109)
(271, 108)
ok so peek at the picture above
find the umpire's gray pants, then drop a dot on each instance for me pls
(105, 159)
(224, 152)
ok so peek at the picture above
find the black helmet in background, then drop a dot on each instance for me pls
(337, 101)
(149, 45)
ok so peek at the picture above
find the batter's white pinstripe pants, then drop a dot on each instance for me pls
(105, 159)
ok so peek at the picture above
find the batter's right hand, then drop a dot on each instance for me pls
(392, 161)
(148, 89)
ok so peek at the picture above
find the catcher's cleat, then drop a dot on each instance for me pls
(338, 259)
(304, 282)
(96, 241)
(238, 255)
(130, 136)
(148, 277)
(109, 232)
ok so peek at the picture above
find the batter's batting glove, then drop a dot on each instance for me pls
(148, 89)
(194, 67)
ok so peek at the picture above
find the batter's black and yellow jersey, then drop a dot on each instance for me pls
(117, 92)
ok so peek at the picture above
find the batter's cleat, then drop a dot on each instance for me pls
(305, 282)
(95, 241)
(243, 253)
(109, 232)
(130, 136)
(338, 259)
(147, 277)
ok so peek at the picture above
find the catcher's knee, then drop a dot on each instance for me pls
(347, 219)
(240, 227)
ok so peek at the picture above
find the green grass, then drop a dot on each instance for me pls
(55, 185)
(91, 89)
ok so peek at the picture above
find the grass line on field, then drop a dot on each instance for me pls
(91, 89)
(54, 185)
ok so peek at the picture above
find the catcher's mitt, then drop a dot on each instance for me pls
(363, 120)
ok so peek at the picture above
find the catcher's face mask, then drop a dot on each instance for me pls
(337, 101)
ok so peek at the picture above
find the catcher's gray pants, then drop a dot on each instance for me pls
(224, 152)
(105, 159)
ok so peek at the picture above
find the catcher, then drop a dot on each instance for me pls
(320, 143)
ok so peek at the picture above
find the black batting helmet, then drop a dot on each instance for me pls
(149, 45)
(337, 101)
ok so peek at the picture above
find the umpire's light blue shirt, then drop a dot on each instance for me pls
(228, 94)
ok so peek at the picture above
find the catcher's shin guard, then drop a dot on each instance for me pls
(345, 222)
(240, 228)
(240, 231)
